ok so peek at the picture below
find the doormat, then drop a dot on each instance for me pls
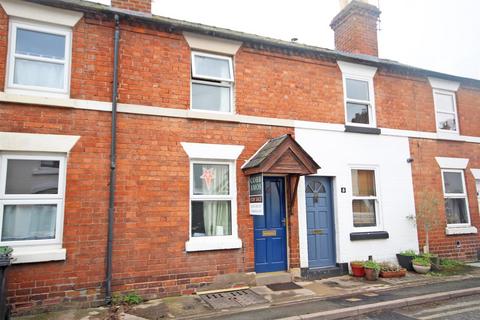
(284, 286)
(231, 299)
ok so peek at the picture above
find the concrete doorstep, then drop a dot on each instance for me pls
(392, 304)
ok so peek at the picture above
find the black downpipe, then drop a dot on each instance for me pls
(113, 163)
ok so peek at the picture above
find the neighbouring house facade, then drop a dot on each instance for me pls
(234, 154)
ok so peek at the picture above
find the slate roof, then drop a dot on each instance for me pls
(264, 152)
(260, 41)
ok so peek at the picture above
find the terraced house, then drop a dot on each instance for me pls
(144, 153)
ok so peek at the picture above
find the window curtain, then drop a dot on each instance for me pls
(29, 222)
(456, 210)
(363, 183)
(216, 218)
(216, 214)
(39, 73)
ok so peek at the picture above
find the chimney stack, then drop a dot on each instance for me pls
(355, 28)
(133, 5)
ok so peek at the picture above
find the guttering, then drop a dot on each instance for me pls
(113, 164)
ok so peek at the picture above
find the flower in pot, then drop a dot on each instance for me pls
(434, 260)
(405, 259)
(421, 265)
(391, 270)
(357, 268)
(5, 261)
(371, 270)
(5, 256)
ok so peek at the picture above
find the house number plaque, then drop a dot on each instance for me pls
(269, 233)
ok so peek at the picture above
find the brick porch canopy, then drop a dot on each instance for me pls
(283, 156)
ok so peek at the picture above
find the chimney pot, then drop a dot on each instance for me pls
(355, 28)
(133, 5)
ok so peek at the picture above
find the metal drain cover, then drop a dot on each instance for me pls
(232, 299)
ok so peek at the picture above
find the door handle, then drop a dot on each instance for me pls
(283, 222)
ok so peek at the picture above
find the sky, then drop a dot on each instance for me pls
(440, 35)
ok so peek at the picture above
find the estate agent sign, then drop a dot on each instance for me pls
(256, 194)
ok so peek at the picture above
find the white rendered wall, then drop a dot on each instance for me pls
(336, 153)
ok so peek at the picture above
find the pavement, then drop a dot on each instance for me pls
(331, 298)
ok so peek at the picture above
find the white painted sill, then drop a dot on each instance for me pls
(460, 230)
(38, 254)
(212, 243)
(446, 135)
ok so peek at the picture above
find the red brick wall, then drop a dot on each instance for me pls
(152, 207)
(404, 102)
(427, 177)
(290, 87)
(3, 46)
(92, 59)
(468, 107)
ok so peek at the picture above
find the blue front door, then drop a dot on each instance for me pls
(320, 228)
(269, 229)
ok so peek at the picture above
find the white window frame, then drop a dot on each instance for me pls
(212, 81)
(463, 195)
(14, 25)
(58, 199)
(215, 242)
(363, 73)
(455, 112)
(378, 208)
(214, 56)
(370, 103)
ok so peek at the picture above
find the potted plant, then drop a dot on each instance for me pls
(391, 270)
(5, 261)
(434, 260)
(357, 268)
(371, 270)
(405, 259)
(421, 265)
(5, 256)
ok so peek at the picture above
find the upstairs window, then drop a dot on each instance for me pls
(359, 97)
(364, 198)
(455, 194)
(358, 104)
(446, 111)
(212, 82)
(39, 58)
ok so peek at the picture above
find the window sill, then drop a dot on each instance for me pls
(460, 230)
(45, 94)
(366, 130)
(369, 235)
(38, 254)
(212, 243)
(445, 135)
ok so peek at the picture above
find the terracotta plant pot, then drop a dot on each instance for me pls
(405, 261)
(357, 269)
(393, 274)
(421, 269)
(371, 274)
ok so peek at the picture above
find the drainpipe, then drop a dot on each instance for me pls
(113, 160)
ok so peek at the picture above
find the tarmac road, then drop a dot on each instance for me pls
(466, 308)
